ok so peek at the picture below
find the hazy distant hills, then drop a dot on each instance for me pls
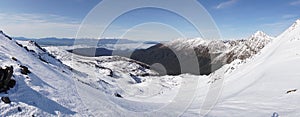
(71, 41)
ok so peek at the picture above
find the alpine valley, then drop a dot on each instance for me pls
(258, 76)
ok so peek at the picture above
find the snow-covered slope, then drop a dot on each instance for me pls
(114, 74)
(47, 90)
(267, 84)
(107, 86)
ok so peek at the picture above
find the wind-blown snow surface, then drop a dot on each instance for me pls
(253, 87)
(259, 87)
(48, 90)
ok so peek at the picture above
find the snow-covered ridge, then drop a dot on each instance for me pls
(34, 93)
(240, 47)
(266, 84)
(294, 26)
(230, 50)
(36, 50)
(54, 89)
(208, 52)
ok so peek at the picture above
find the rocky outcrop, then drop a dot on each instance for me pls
(6, 100)
(24, 70)
(6, 81)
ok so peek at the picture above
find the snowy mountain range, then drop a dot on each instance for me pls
(260, 78)
(267, 83)
(211, 54)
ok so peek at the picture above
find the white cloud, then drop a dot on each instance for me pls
(294, 3)
(226, 4)
(38, 25)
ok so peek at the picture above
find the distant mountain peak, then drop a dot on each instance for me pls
(292, 33)
(298, 21)
(295, 25)
(260, 34)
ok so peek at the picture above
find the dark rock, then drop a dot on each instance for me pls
(5, 35)
(19, 44)
(111, 73)
(25, 70)
(19, 109)
(9, 71)
(290, 91)
(5, 79)
(26, 48)
(118, 95)
(135, 78)
(13, 58)
(11, 83)
(37, 45)
(2, 74)
(6, 100)
(32, 51)
(43, 59)
(143, 75)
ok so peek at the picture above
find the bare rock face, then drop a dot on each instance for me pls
(6, 100)
(6, 81)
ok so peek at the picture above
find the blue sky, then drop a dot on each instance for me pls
(62, 18)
